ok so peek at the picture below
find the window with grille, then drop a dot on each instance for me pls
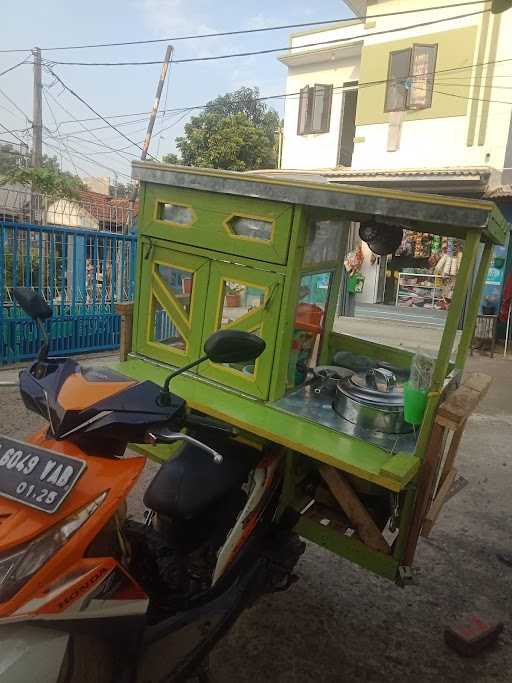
(410, 82)
(314, 109)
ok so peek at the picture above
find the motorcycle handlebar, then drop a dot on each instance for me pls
(172, 437)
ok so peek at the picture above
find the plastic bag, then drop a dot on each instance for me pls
(422, 367)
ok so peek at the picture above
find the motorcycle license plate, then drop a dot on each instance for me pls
(36, 476)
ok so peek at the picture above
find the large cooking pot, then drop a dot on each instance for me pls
(372, 400)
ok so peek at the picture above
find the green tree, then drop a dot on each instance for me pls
(47, 180)
(171, 159)
(8, 158)
(235, 131)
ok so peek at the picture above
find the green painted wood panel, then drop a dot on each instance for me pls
(262, 319)
(154, 293)
(211, 216)
(455, 49)
(351, 455)
(351, 548)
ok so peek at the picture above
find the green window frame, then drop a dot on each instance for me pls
(153, 290)
(264, 318)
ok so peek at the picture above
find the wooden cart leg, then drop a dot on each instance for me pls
(425, 483)
(358, 515)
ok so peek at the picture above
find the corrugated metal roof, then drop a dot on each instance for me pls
(452, 171)
(415, 172)
(439, 214)
(501, 192)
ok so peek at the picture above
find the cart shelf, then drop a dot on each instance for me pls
(264, 419)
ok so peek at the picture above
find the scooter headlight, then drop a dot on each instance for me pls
(20, 564)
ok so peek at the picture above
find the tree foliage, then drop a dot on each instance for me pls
(48, 180)
(235, 131)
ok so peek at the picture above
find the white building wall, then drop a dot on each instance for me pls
(432, 143)
(315, 150)
(424, 142)
(71, 214)
(440, 142)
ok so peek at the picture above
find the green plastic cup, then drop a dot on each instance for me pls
(415, 402)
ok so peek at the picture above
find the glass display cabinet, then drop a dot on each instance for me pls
(221, 250)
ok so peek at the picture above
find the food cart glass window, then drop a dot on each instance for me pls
(179, 283)
(253, 228)
(175, 213)
(309, 324)
(163, 329)
(324, 240)
(241, 310)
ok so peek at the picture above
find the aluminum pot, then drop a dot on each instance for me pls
(369, 408)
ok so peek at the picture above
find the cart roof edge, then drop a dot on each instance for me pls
(432, 213)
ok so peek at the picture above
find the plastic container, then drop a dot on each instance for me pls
(415, 402)
(309, 317)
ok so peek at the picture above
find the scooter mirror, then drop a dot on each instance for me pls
(224, 346)
(32, 303)
(233, 346)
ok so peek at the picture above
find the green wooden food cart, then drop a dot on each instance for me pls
(222, 250)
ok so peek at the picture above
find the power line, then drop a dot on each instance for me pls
(188, 60)
(11, 68)
(84, 171)
(121, 149)
(361, 85)
(19, 109)
(471, 99)
(88, 159)
(166, 112)
(12, 133)
(81, 125)
(253, 30)
(63, 141)
(81, 99)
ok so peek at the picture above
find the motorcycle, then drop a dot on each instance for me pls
(89, 594)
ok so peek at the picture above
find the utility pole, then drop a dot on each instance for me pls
(37, 109)
(154, 111)
(156, 102)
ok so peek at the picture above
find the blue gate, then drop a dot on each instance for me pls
(82, 274)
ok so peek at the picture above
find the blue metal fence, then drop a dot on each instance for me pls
(81, 273)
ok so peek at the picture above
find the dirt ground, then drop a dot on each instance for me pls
(341, 623)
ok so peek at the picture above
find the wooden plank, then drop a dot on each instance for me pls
(452, 452)
(459, 406)
(438, 503)
(425, 484)
(125, 310)
(359, 517)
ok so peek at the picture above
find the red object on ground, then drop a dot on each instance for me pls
(507, 299)
(472, 633)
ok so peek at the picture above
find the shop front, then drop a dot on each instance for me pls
(414, 283)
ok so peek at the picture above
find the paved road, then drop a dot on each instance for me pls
(341, 623)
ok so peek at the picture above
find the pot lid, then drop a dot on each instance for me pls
(356, 388)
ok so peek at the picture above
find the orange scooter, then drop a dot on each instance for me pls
(87, 594)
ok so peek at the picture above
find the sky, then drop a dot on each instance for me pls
(129, 89)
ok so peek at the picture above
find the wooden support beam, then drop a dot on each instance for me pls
(438, 503)
(452, 414)
(459, 405)
(425, 483)
(358, 515)
(125, 310)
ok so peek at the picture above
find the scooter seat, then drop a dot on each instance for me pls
(190, 482)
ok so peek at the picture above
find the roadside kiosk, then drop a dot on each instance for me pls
(222, 250)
